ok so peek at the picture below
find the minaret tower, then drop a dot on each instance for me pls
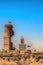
(22, 45)
(8, 33)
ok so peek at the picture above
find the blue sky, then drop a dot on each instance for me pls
(26, 17)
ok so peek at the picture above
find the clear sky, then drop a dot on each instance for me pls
(26, 17)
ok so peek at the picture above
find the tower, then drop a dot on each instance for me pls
(22, 45)
(8, 33)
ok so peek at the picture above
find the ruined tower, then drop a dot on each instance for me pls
(8, 33)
